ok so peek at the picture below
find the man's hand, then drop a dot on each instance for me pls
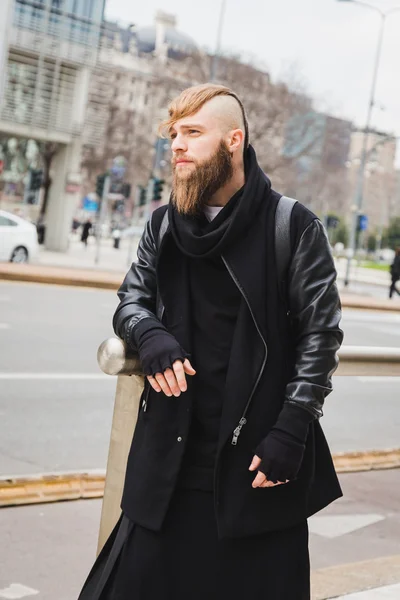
(173, 381)
(261, 479)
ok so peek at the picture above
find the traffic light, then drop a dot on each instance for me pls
(157, 189)
(142, 196)
(100, 184)
(36, 179)
(332, 222)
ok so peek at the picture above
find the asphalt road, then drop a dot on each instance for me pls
(56, 406)
(47, 550)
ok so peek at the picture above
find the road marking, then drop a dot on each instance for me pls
(55, 376)
(370, 318)
(388, 592)
(334, 526)
(4, 326)
(16, 590)
(377, 379)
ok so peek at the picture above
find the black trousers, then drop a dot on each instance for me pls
(186, 561)
(393, 289)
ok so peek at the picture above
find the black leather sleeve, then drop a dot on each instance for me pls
(138, 292)
(315, 316)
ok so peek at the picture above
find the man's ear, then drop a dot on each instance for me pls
(235, 140)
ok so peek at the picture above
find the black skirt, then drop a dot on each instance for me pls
(186, 561)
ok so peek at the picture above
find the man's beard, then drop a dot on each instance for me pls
(191, 193)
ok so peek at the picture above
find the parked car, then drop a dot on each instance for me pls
(18, 238)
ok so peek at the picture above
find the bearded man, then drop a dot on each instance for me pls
(228, 459)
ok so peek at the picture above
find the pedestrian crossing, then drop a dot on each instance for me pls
(387, 592)
(15, 591)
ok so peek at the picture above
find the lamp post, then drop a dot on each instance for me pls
(358, 198)
(214, 61)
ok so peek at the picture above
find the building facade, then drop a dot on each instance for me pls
(49, 48)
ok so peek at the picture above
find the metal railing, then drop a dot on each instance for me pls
(114, 359)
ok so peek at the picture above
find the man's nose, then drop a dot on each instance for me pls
(179, 144)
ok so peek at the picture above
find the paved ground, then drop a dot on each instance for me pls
(111, 259)
(56, 406)
(49, 549)
(55, 414)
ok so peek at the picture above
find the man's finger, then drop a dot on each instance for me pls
(266, 483)
(188, 368)
(180, 375)
(169, 375)
(258, 480)
(255, 463)
(162, 382)
(153, 383)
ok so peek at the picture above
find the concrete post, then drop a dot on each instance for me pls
(5, 25)
(63, 197)
(66, 168)
(126, 410)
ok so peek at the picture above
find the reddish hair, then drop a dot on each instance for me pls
(192, 99)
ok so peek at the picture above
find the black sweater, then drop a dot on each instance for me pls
(215, 302)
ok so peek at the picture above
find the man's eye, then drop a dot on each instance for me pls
(172, 136)
(193, 131)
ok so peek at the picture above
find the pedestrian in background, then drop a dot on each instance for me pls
(86, 229)
(395, 273)
(116, 235)
(228, 459)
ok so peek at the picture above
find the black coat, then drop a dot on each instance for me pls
(273, 360)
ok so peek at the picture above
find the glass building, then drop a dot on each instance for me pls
(75, 20)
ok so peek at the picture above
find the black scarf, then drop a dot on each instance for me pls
(197, 238)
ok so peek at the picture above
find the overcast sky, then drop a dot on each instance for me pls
(330, 43)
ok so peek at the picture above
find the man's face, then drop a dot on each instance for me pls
(201, 160)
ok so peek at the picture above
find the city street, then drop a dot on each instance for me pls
(56, 406)
(56, 409)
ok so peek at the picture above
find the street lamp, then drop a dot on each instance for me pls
(356, 209)
(214, 60)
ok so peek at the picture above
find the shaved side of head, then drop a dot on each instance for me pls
(228, 112)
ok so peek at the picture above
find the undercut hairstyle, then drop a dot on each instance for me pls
(191, 100)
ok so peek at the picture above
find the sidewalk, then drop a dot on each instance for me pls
(48, 549)
(77, 267)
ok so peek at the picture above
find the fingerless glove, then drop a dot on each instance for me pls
(157, 348)
(282, 450)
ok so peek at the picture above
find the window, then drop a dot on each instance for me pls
(4, 222)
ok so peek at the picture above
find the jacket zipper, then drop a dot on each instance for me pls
(243, 420)
(146, 398)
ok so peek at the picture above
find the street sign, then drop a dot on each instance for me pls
(362, 224)
(90, 205)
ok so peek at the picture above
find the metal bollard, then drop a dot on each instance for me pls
(113, 359)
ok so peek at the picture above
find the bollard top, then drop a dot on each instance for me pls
(114, 359)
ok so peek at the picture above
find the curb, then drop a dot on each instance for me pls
(349, 578)
(56, 487)
(52, 276)
(372, 460)
(366, 303)
(37, 489)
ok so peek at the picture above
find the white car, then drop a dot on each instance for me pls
(18, 239)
